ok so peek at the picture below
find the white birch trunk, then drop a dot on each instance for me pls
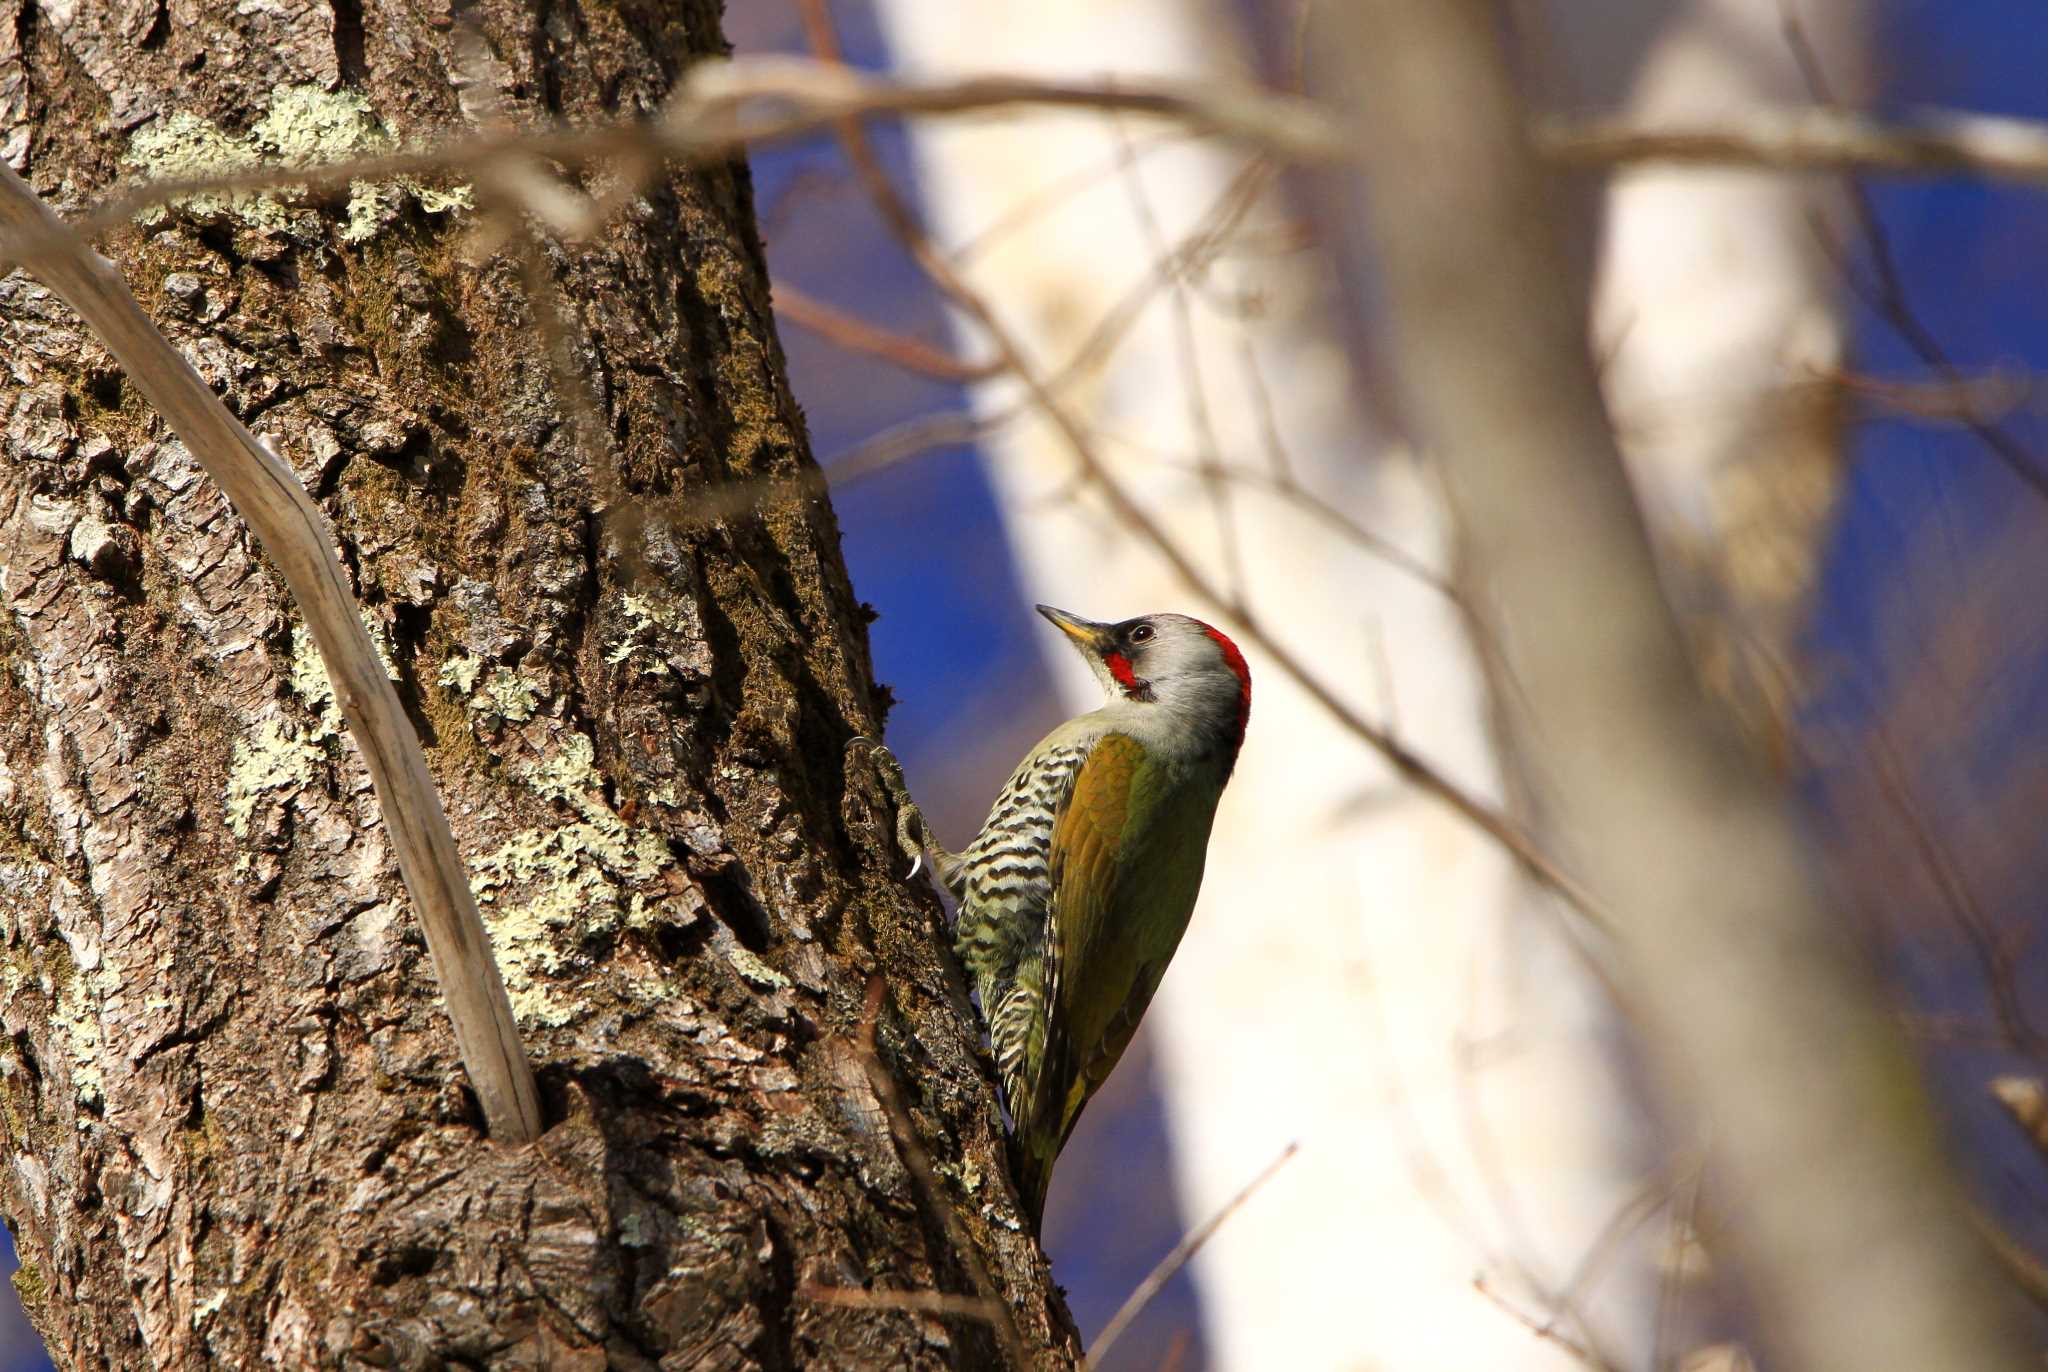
(1719, 311)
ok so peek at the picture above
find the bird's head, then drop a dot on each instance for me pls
(1176, 663)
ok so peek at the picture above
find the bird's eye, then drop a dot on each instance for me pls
(1142, 634)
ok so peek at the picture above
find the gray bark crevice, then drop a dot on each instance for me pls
(231, 1115)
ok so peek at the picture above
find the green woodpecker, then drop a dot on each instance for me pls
(1076, 893)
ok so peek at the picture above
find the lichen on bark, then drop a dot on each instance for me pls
(230, 1109)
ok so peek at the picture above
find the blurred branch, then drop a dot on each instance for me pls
(857, 335)
(1545, 1330)
(707, 118)
(1805, 140)
(1746, 985)
(1996, 958)
(2026, 1104)
(924, 1302)
(1886, 296)
(1967, 400)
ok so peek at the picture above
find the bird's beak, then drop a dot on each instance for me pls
(1088, 636)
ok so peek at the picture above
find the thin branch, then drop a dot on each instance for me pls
(925, 1302)
(702, 122)
(266, 495)
(1545, 1330)
(1969, 401)
(1972, 922)
(1182, 279)
(1888, 298)
(1155, 1280)
(1809, 140)
(858, 335)
(2029, 1274)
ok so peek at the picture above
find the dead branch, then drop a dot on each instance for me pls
(265, 493)
(926, 1302)
(858, 335)
(704, 120)
(1545, 1330)
(1810, 140)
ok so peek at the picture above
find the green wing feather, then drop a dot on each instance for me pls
(1125, 866)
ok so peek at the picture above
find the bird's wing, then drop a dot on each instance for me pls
(1124, 866)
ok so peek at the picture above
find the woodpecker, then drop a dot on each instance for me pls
(1075, 894)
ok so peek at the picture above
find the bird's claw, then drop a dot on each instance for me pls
(910, 825)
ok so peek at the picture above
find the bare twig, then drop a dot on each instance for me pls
(702, 121)
(1209, 464)
(1545, 1330)
(292, 532)
(1156, 1280)
(1969, 401)
(919, 1164)
(1888, 297)
(2029, 1274)
(1972, 922)
(858, 335)
(1071, 185)
(928, 1302)
(1805, 140)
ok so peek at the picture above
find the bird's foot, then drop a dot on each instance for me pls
(913, 836)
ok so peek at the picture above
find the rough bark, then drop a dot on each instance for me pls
(233, 1118)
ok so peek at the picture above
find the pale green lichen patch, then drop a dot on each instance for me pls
(499, 693)
(271, 760)
(459, 673)
(754, 970)
(182, 146)
(643, 615)
(29, 1285)
(575, 879)
(76, 1016)
(510, 695)
(306, 125)
(303, 126)
(308, 679)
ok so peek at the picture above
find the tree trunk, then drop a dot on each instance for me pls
(235, 1123)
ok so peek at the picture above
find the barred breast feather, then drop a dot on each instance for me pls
(1006, 902)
